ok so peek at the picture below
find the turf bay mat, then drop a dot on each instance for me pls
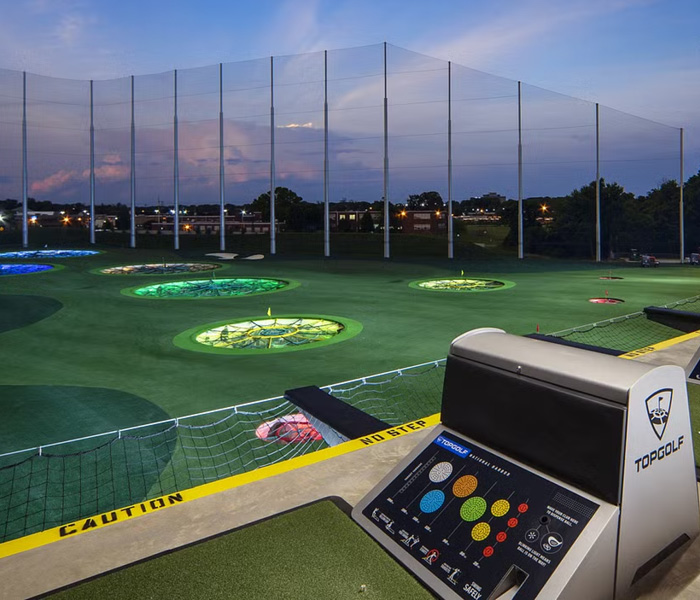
(315, 551)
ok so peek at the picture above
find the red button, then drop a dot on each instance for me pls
(501, 537)
(512, 522)
(488, 551)
(523, 508)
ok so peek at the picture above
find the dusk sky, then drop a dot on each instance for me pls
(636, 56)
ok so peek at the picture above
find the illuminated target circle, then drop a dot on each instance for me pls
(48, 253)
(606, 300)
(461, 284)
(440, 472)
(465, 486)
(481, 531)
(500, 507)
(211, 288)
(159, 269)
(432, 501)
(473, 509)
(261, 335)
(7, 269)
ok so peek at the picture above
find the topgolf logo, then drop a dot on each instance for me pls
(659, 409)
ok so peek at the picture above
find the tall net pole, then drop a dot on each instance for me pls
(222, 199)
(132, 174)
(326, 206)
(387, 250)
(682, 183)
(92, 165)
(521, 253)
(597, 185)
(176, 174)
(450, 230)
(273, 246)
(25, 214)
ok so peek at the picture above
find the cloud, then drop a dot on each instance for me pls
(308, 125)
(70, 29)
(519, 27)
(109, 173)
(53, 182)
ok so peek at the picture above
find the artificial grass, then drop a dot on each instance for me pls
(43, 414)
(103, 338)
(312, 552)
(21, 310)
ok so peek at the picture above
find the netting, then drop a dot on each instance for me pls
(224, 122)
(355, 116)
(628, 332)
(61, 483)
(398, 396)
(58, 139)
(484, 134)
(299, 139)
(198, 136)
(246, 98)
(154, 157)
(641, 156)
(417, 92)
(112, 122)
(559, 135)
(10, 135)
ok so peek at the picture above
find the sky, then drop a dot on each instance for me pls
(635, 56)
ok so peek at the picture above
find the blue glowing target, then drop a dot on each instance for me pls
(432, 501)
(6, 269)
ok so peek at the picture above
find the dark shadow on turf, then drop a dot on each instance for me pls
(36, 415)
(22, 310)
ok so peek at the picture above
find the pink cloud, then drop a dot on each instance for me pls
(108, 172)
(53, 182)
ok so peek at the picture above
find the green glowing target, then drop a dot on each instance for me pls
(211, 288)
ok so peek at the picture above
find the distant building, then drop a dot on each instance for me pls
(483, 216)
(491, 197)
(423, 221)
(351, 220)
(205, 224)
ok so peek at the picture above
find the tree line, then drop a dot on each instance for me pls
(558, 226)
(649, 223)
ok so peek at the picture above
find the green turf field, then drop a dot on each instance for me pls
(312, 552)
(76, 329)
(83, 358)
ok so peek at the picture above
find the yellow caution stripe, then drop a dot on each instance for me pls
(119, 515)
(660, 345)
